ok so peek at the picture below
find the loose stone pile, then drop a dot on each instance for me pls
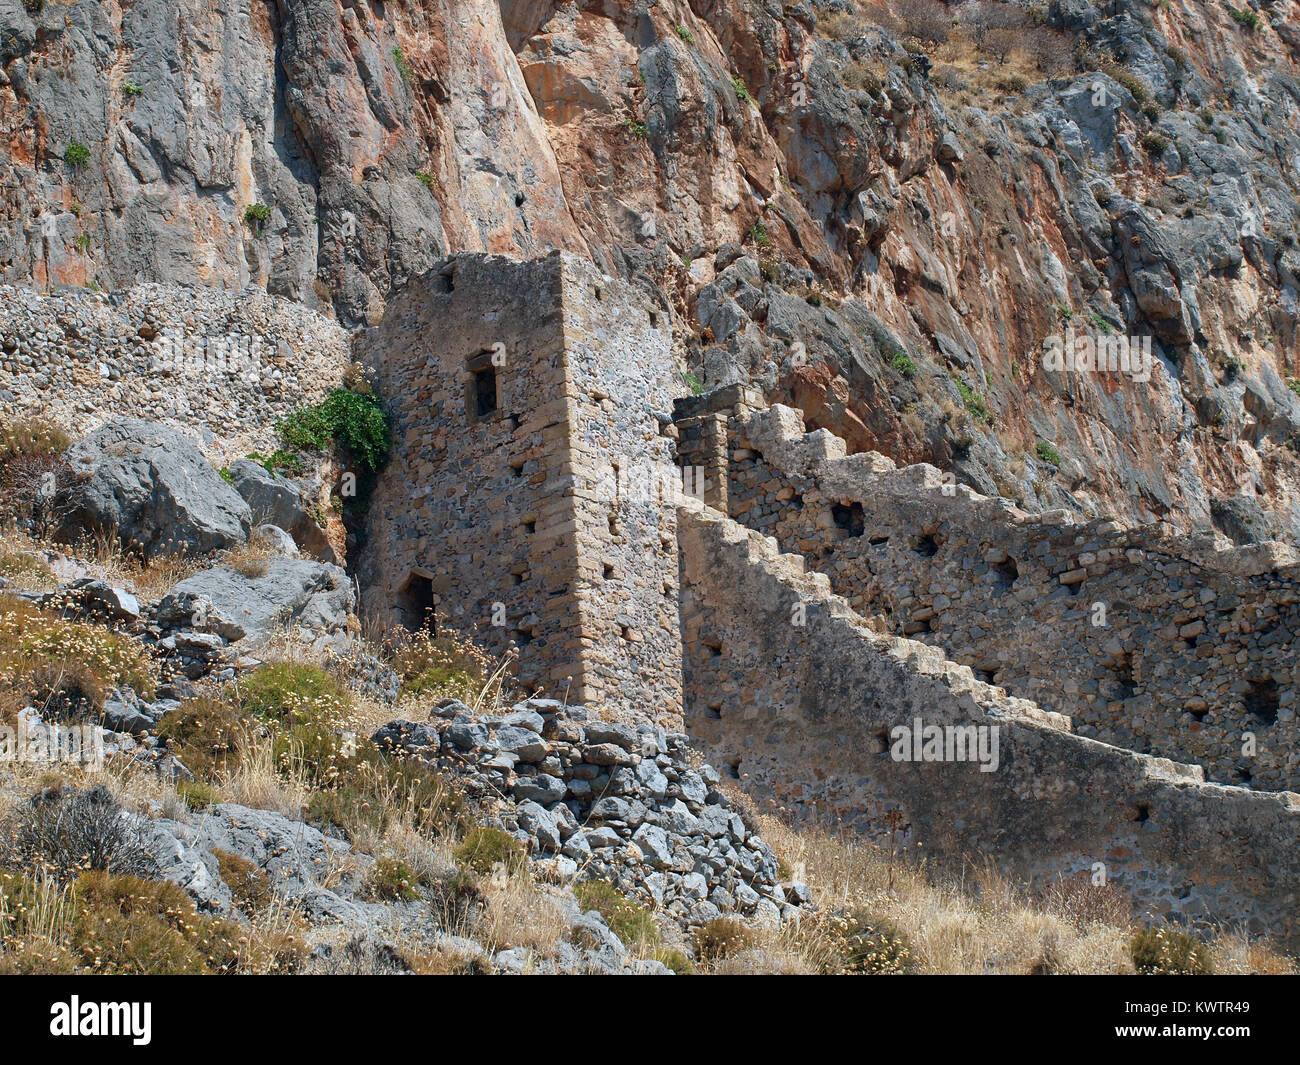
(230, 362)
(608, 801)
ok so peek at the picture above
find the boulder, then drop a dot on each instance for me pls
(93, 600)
(272, 499)
(275, 538)
(278, 501)
(315, 595)
(153, 488)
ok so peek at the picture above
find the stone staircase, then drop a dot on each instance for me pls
(799, 697)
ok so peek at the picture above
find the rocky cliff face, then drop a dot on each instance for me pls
(879, 213)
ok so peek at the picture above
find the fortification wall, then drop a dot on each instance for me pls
(1148, 640)
(509, 523)
(222, 366)
(802, 714)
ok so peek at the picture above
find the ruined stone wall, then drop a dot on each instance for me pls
(222, 366)
(797, 698)
(511, 520)
(1148, 640)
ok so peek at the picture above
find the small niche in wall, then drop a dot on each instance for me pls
(1261, 700)
(523, 637)
(1125, 680)
(1007, 574)
(447, 280)
(849, 517)
(926, 545)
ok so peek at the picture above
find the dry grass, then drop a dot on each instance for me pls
(250, 559)
(101, 556)
(980, 924)
(519, 913)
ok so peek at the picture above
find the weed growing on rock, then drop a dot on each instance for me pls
(76, 155)
(626, 918)
(485, 849)
(1169, 952)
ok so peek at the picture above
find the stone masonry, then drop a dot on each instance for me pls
(1148, 640)
(524, 502)
(797, 697)
(527, 504)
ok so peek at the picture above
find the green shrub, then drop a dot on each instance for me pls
(1245, 17)
(393, 879)
(279, 459)
(256, 215)
(287, 690)
(354, 421)
(1136, 89)
(425, 178)
(428, 663)
(131, 90)
(721, 938)
(306, 708)
(485, 848)
(693, 383)
(903, 365)
(1047, 453)
(626, 918)
(441, 680)
(973, 401)
(129, 926)
(1169, 952)
(198, 794)
(205, 733)
(403, 66)
(637, 129)
(1293, 383)
(742, 90)
(1155, 143)
(759, 235)
(685, 34)
(76, 155)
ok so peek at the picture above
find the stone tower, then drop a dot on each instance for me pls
(529, 498)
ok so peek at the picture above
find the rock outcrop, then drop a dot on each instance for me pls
(149, 486)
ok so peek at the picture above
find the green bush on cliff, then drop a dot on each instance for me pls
(350, 419)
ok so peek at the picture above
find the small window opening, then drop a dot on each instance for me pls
(485, 391)
(926, 546)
